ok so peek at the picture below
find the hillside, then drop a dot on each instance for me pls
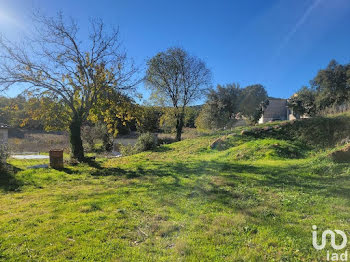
(243, 195)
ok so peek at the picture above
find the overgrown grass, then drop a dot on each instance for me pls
(39, 142)
(184, 201)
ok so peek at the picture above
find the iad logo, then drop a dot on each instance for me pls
(331, 256)
(324, 239)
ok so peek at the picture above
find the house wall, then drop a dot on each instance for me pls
(276, 110)
(4, 135)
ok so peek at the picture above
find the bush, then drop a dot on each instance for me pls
(90, 134)
(127, 150)
(99, 131)
(146, 141)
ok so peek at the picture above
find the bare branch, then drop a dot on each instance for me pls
(55, 60)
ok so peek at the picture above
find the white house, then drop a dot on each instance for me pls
(277, 110)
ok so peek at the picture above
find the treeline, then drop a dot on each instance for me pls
(32, 113)
(224, 106)
(45, 114)
(329, 91)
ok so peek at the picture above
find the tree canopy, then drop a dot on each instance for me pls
(253, 99)
(228, 103)
(332, 85)
(303, 102)
(329, 88)
(178, 79)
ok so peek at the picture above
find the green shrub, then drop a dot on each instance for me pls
(127, 150)
(146, 141)
(92, 133)
(89, 135)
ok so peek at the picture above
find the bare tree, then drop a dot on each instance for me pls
(55, 62)
(178, 78)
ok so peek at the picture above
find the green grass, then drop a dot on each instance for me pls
(182, 202)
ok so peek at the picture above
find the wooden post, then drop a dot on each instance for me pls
(56, 159)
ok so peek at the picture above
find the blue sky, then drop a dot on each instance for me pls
(280, 44)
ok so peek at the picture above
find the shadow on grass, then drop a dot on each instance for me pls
(294, 177)
(139, 172)
(68, 171)
(93, 163)
(8, 181)
(162, 148)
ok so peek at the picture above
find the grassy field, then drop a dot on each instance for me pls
(247, 199)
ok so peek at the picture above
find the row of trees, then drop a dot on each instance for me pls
(32, 113)
(329, 88)
(45, 114)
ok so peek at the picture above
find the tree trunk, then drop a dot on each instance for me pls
(75, 139)
(179, 126)
(107, 142)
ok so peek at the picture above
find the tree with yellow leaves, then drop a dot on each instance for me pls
(54, 62)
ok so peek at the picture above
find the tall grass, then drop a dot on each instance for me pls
(38, 142)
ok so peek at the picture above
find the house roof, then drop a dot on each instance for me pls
(4, 126)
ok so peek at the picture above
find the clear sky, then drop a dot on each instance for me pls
(278, 43)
